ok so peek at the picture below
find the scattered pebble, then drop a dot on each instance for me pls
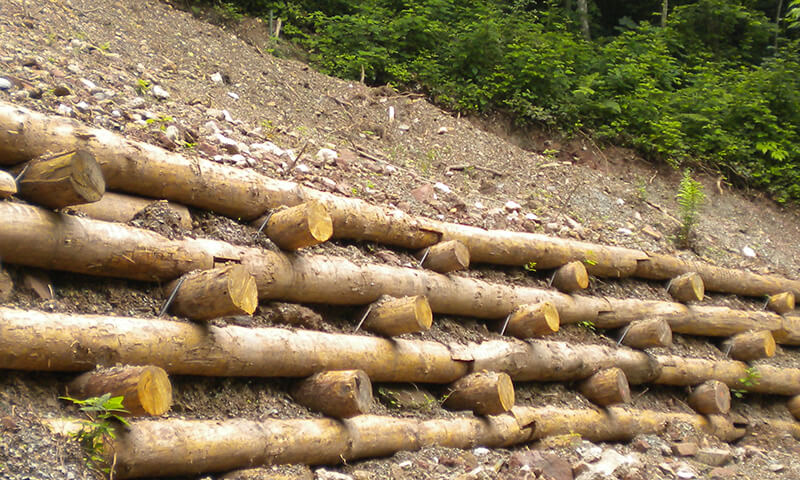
(64, 110)
(481, 451)
(512, 206)
(233, 95)
(748, 252)
(159, 92)
(5, 84)
(216, 78)
(327, 155)
(442, 187)
(82, 106)
(89, 85)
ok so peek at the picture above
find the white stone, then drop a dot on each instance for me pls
(216, 77)
(748, 252)
(172, 133)
(532, 217)
(226, 115)
(442, 187)
(64, 110)
(327, 155)
(479, 205)
(90, 85)
(136, 102)
(442, 130)
(389, 169)
(405, 464)
(625, 231)
(159, 92)
(116, 113)
(302, 168)
(233, 95)
(481, 451)
(685, 472)
(620, 202)
(5, 83)
(391, 114)
(82, 106)
(323, 474)
(512, 206)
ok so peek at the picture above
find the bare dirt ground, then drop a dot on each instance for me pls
(105, 62)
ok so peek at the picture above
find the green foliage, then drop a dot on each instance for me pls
(690, 196)
(530, 267)
(587, 325)
(103, 412)
(751, 378)
(142, 86)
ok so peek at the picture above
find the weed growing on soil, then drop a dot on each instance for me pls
(142, 86)
(690, 196)
(102, 412)
(530, 267)
(588, 325)
(750, 379)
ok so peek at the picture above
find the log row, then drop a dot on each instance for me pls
(40, 238)
(147, 170)
(31, 340)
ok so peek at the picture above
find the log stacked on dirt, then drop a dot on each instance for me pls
(533, 320)
(485, 393)
(219, 292)
(6, 285)
(781, 303)
(143, 169)
(445, 257)
(607, 387)
(338, 394)
(687, 288)
(750, 345)
(59, 181)
(297, 227)
(117, 207)
(794, 406)
(710, 397)
(186, 447)
(396, 316)
(8, 186)
(641, 334)
(571, 277)
(146, 389)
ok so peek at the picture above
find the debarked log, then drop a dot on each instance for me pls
(396, 316)
(485, 393)
(687, 287)
(650, 333)
(218, 292)
(61, 180)
(336, 393)
(146, 389)
(445, 257)
(185, 447)
(781, 303)
(710, 397)
(8, 186)
(297, 227)
(607, 387)
(750, 345)
(118, 207)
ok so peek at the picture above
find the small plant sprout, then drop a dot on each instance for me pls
(530, 267)
(142, 86)
(103, 412)
(750, 379)
(588, 325)
(690, 196)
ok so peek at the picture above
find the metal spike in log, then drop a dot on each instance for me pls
(396, 316)
(336, 393)
(533, 320)
(297, 227)
(146, 389)
(219, 292)
(571, 277)
(485, 393)
(8, 186)
(710, 397)
(794, 406)
(641, 334)
(607, 387)
(781, 303)
(445, 257)
(67, 179)
(118, 207)
(687, 288)
(750, 345)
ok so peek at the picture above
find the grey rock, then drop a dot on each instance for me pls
(5, 84)
(159, 92)
(64, 110)
(172, 133)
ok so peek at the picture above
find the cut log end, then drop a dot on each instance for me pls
(339, 394)
(219, 292)
(711, 397)
(68, 179)
(396, 316)
(688, 287)
(571, 277)
(751, 345)
(781, 303)
(8, 186)
(534, 320)
(607, 387)
(794, 406)
(445, 257)
(146, 390)
(485, 393)
(649, 333)
(301, 226)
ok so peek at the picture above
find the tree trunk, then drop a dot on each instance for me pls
(642, 334)
(396, 316)
(571, 277)
(146, 389)
(60, 181)
(8, 186)
(664, 12)
(189, 447)
(710, 397)
(750, 345)
(338, 394)
(781, 303)
(219, 292)
(687, 288)
(583, 15)
(117, 207)
(445, 257)
(607, 387)
(485, 393)
(297, 227)
(533, 320)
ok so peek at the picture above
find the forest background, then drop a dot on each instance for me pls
(712, 83)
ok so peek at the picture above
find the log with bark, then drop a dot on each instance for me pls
(781, 303)
(607, 387)
(641, 334)
(445, 257)
(219, 292)
(687, 288)
(8, 186)
(297, 227)
(485, 393)
(146, 389)
(571, 277)
(750, 345)
(710, 397)
(533, 320)
(36, 237)
(58, 181)
(143, 169)
(118, 207)
(337, 393)
(396, 316)
(189, 447)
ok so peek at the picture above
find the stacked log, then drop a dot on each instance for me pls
(338, 394)
(117, 207)
(533, 320)
(445, 257)
(297, 227)
(146, 389)
(571, 277)
(396, 316)
(219, 292)
(8, 186)
(711, 397)
(642, 334)
(781, 303)
(687, 288)
(750, 345)
(58, 181)
(6, 285)
(485, 393)
(607, 387)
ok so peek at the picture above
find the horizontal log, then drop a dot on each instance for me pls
(147, 170)
(186, 447)
(118, 207)
(485, 393)
(781, 303)
(58, 181)
(445, 257)
(395, 316)
(533, 320)
(571, 277)
(8, 186)
(710, 397)
(607, 387)
(650, 333)
(297, 227)
(146, 390)
(687, 288)
(337, 393)
(219, 292)
(750, 345)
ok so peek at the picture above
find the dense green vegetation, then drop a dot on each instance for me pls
(716, 84)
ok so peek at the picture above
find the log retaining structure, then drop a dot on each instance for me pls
(147, 170)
